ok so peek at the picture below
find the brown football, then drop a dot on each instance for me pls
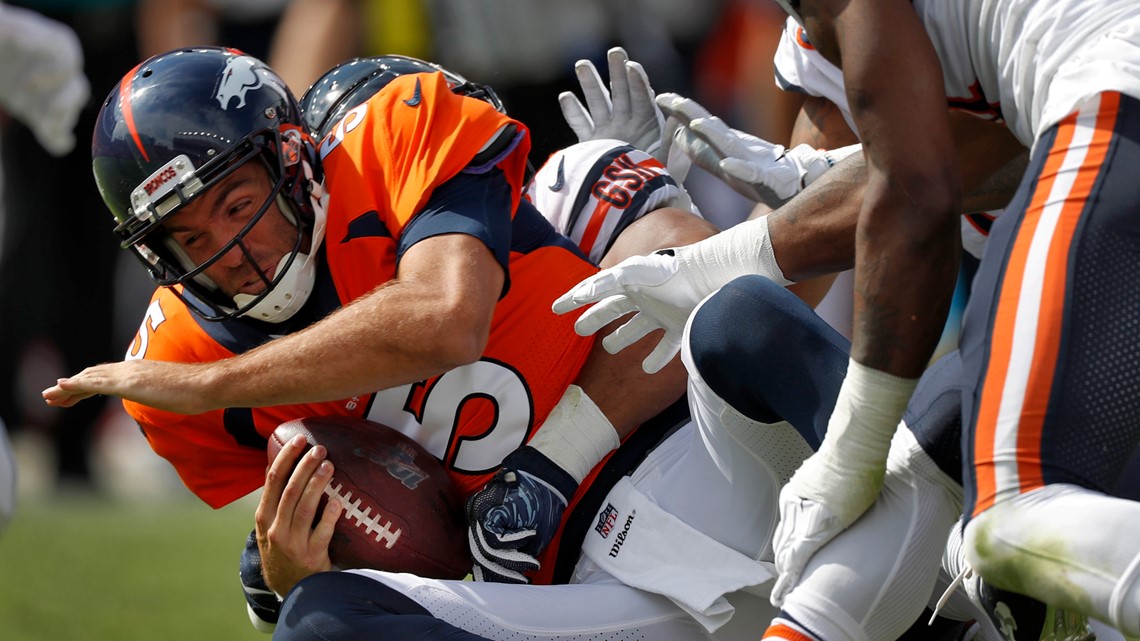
(402, 513)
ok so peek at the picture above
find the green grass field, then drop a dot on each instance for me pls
(92, 568)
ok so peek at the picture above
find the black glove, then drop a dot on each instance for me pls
(515, 516)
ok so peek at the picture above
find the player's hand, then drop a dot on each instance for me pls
(755, 168)
(805, 526)
(625, 111)
(514, 518)
(663, 288)
(41, 79)
(160, 384)
(837, 484)
(293, 531)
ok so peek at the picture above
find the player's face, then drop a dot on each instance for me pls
(203, 227)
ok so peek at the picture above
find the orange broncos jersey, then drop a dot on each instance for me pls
(382, 163)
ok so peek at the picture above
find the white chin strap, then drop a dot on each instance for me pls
(295, 285)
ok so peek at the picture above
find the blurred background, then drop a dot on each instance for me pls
(105, 542)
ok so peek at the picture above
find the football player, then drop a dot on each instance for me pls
(1028, 339)
(733, 462)
(750, 166)
(290, 286)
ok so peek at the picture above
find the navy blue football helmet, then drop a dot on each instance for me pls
(352, 82)
(173, 127)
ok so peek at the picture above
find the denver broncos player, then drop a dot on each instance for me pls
(414, 267)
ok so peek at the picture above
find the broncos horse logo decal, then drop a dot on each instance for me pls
(237, 78)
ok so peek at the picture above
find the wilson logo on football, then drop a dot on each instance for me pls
(606, 520)
(238, 78)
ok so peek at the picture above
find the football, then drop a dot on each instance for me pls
(402, 513)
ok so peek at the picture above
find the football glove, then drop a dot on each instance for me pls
(41, 76)
(665, 287)
(625, 111)
(516, 515)
(262, 604)
(755, 168)
(839, 482)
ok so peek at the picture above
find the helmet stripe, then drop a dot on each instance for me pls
(128, 114)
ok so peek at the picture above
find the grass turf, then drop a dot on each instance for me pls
(93, 568)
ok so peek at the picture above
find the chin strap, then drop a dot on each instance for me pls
(294, 286)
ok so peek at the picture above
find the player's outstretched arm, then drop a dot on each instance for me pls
(906, 248)
(663, 288)
(433, 317)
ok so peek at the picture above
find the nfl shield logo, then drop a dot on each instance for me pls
(606, 520)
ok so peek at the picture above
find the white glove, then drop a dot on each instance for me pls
(41, 76)
(625, 111)
(838, 483)
(755, 168)
(666, 286)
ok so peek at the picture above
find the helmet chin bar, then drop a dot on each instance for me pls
(290, 290)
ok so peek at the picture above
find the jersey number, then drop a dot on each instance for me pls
(431, 412)
(151, 320)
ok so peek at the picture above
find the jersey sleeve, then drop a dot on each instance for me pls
(802, 69)
(387, 158)
(592, 191)
(411, 137)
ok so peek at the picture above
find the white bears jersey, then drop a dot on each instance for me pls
(593, 190)
(802, 69)
(1022, 61)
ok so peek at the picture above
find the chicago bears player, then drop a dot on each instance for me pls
(1027, 342)
(707, 460)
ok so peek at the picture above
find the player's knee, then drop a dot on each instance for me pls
(989, 545)
(331, 606)
(741, 323)
(766, 353)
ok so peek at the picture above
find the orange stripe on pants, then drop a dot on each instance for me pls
(1050, 314)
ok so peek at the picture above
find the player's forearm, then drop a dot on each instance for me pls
(906, 266)
(814, 233)
(396, 335)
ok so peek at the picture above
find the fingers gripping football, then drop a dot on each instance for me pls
(292, 540)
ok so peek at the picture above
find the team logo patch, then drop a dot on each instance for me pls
(238, 78)
(606, 520)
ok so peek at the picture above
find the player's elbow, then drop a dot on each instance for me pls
(462, 336)
(920, 206)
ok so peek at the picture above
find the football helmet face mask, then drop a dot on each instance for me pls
(178, 124)
(351, 83)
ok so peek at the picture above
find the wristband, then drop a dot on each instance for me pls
(576, 435)
(737, 251)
